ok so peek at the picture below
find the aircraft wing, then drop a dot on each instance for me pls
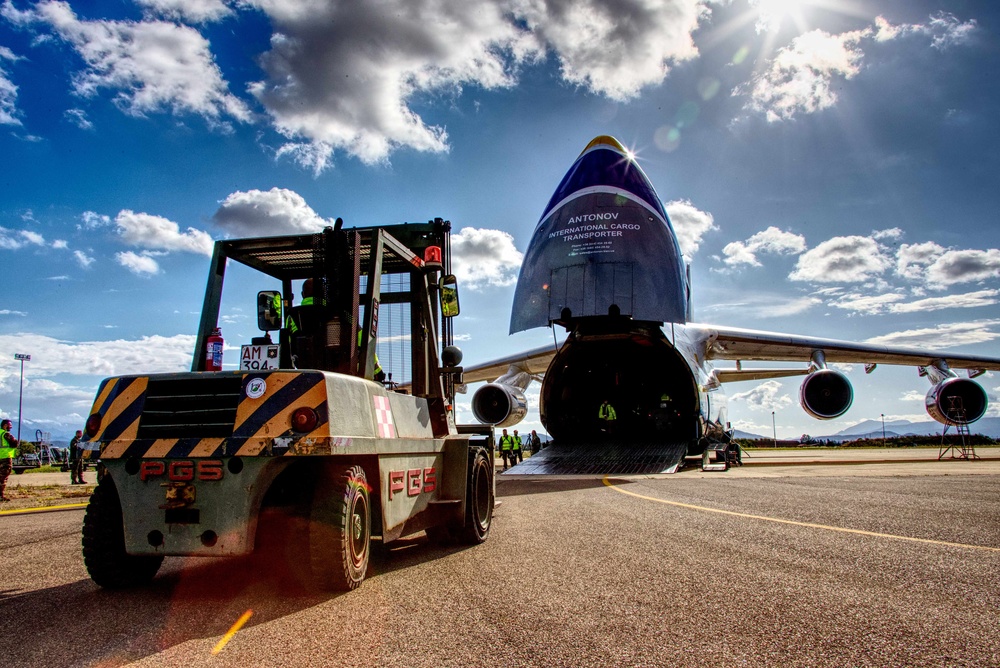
(730, 343)
(533, 362)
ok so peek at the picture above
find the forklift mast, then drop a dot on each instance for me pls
(347, 266)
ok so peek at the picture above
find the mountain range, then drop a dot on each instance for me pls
(989, 426)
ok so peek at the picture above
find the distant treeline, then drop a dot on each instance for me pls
(890, 442)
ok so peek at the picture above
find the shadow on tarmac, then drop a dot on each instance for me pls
(80, 624)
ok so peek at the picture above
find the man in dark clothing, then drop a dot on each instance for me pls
(534, 443)
(76, 459)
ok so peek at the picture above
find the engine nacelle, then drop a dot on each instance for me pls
(947, 400)
(499, 405)
(826, 394)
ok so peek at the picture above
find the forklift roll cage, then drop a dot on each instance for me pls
(336, 259)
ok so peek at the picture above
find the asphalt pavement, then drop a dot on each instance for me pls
(822, 564)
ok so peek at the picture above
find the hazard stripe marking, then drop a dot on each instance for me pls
(160, 448)
(121, 420)
(268, 415)
(206, 447)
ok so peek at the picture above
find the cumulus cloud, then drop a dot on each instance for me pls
(615, 48)
(764, 397)
(8, 91)
(342, 76)
(157, 233)
(277, 211)
(83, 259)
(690, 224)
(16, 239)
(51, 358)
(802, 78)
(481, 258)
(891, 233)
(772, 240)
(912, 260)
(151, 65)
(92, 220)
(193, 11)
(78, 117)
(964, 266)
(851, 259)
(943, 336)
(140, 265)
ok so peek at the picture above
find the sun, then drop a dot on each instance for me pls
(772, 14)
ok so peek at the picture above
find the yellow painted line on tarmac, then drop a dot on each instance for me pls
(810, 525)
(43, 509)
(244, 618)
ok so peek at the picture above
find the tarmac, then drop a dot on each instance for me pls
(797, 462)
(757, 463)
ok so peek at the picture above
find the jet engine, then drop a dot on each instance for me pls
(956, 401)
(826, 394)
(499, 404)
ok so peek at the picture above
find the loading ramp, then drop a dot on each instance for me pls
(615, 458)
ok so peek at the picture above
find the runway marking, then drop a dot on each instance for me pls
(778, 520)
(244, 618)
(43, 509)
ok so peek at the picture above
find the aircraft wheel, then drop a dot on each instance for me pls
(104, 555)
(340, 530)
(18, 471)
(479, 499)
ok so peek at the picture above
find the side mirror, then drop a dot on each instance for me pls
(268, 310)
(449, 296)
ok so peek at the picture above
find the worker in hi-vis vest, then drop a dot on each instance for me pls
(8, 450)
(606, 414)
(517, 451)
(506, 448)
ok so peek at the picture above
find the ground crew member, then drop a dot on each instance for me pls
(606, 414)
(76, 459)
(506, 448)
(518, 451)
(534, 443)
(301, 323)
(8, 450)
(294, 322)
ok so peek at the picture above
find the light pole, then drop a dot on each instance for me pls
(20, 395)
(883, 430)
(774, 430)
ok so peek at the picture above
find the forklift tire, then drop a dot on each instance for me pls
(340, 530)
(479, 499)
(104, 555)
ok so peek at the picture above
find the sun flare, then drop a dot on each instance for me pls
(772, 14)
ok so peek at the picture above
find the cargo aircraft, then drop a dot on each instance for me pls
(605, 264)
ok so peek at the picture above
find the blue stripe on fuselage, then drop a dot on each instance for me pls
(602, 164)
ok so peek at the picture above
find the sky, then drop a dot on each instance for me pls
(831, 168)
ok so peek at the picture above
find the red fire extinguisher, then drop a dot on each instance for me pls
(213, 351)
